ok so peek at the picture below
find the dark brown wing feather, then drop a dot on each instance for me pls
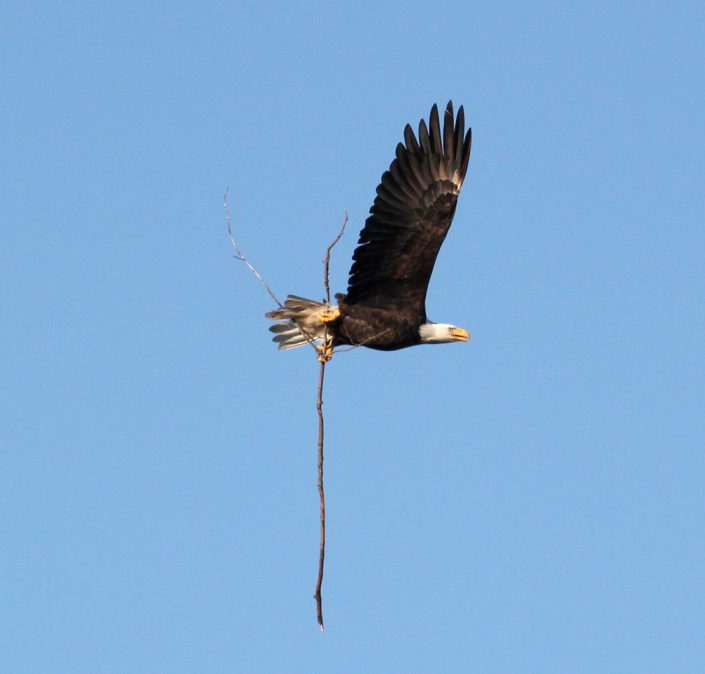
(411, 216)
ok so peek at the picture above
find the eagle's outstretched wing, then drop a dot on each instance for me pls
(411, 216)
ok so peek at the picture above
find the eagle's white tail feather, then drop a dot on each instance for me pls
(288, 335)
(298, 322)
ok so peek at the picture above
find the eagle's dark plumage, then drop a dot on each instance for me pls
(385, 305)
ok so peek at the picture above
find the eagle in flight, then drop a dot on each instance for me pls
(385, 304)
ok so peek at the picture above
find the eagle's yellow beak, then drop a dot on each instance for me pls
(460, 334)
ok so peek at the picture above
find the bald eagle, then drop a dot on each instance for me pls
(385, 305)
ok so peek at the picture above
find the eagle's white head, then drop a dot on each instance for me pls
(440, 333)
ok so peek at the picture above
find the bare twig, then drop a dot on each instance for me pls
(326, 262)
(238, 253)
(326, 355)
(363, 342)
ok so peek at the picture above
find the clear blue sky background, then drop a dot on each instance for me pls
(533, 501)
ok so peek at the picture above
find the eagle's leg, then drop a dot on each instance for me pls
(329, 314)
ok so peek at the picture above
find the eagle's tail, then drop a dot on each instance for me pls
(298, 322)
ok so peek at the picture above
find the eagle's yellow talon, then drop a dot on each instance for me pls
(325, 353)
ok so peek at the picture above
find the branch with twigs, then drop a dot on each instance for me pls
(324, 355)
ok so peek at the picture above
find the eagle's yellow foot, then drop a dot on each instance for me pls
(329, 314)
(325, 353)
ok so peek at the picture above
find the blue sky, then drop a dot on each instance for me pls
(529, 502)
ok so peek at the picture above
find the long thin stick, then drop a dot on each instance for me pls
(325, 353)
(319, 409)
(321, 496)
